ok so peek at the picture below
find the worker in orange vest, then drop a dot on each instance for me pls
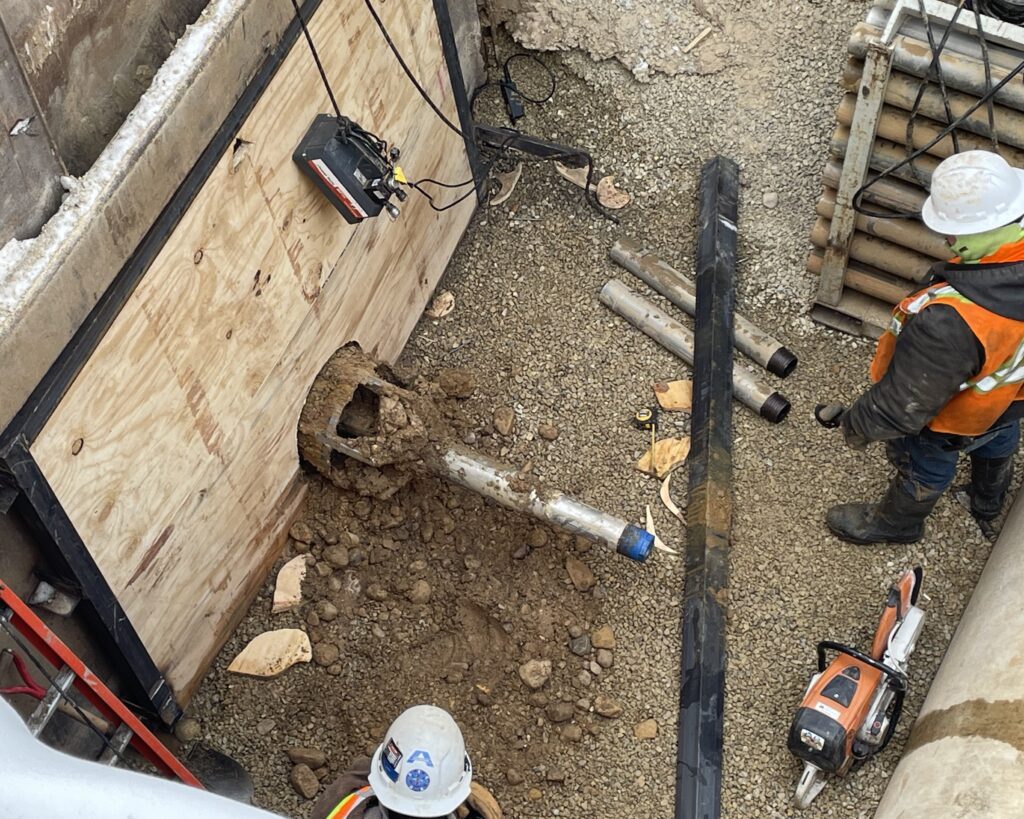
(420, 770)
(949, 371)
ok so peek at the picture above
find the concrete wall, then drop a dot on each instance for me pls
(965, 755)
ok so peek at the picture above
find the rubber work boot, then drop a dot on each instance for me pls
(898, 518)
(990, 479)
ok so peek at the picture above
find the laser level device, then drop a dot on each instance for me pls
(352, 168)
(850, 709)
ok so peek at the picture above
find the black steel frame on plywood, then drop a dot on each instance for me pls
(23, 486)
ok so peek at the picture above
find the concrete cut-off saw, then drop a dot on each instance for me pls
(852, 704)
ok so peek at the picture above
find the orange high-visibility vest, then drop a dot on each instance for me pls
(350, 803)
(985, 397)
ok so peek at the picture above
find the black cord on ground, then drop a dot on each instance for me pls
(522, 55)
(504, 149)
(316, 59)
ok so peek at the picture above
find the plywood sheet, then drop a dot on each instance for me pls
(185, 481)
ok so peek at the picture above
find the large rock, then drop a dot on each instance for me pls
(535, 673)
(603, 637)
(304, 781)
(312, 758)
(607, 707)
(580, 574)
(457, 382)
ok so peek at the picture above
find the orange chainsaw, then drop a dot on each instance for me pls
(852, 704)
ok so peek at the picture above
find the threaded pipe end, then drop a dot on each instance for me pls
(775, 408)
(782, 362)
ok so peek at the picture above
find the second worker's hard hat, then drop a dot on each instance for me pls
(421, 768)
(973, 192)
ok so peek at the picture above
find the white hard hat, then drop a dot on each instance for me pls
(973, 192)
(421, 768)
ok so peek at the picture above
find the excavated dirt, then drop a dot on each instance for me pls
(425, 594)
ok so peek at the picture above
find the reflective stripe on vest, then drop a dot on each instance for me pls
(984, 398)
(350, 803)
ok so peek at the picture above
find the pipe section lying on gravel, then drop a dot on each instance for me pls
(649, 267)
(507, 486)
(353, 409)
(678, 339)
(498, 481)
(972, 721)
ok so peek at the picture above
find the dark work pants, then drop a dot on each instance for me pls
(926, 463)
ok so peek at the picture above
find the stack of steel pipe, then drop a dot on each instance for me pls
(886, 259)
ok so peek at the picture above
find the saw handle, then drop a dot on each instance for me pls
(893, 675)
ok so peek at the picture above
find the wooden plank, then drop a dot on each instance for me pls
(871, 95)
(205, 530)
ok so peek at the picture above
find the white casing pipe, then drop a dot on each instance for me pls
(37, 781)
(965, 755)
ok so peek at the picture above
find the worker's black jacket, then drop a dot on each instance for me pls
(935, 353)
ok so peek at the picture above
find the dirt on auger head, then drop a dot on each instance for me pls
(368, 434)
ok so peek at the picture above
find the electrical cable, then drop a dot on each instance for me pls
(316, 58)
(859, 195)
(410, 75)
(522, 55)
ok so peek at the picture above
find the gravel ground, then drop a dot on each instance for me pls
(528, 323)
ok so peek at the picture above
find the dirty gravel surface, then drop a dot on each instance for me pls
(528, 323)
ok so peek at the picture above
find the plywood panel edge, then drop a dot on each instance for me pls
(271, 541)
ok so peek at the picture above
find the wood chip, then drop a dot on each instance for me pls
(610, 196)
(668, 454)
(666, 499)
(696, 41)
(272, 652)
(483, 802)
(441, 306)
(288, 588)
(658, 542)
(674, 396)
(506, 184)
(578, 176)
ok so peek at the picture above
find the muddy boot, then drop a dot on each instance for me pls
(899, 518)
(986, 493)
(990, 478)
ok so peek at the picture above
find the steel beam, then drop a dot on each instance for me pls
(709, 506)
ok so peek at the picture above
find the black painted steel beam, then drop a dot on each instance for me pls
(709, 506)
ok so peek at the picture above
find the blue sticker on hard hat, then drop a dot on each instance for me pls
(420, 756)
(418, 780)
(389, 759)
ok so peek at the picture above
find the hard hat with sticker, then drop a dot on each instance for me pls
(417, 780)
(422, 768)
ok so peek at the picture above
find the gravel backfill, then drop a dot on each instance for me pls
(527, 322)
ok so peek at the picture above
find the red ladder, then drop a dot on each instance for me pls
(121, 729)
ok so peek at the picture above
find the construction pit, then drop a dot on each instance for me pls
(558, 658)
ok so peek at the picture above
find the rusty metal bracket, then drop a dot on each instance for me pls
(870, 97)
